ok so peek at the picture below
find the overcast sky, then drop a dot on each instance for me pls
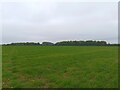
(38, 22)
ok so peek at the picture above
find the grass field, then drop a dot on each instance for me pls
(52, 67)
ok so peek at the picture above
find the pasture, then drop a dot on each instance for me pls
(60, 66)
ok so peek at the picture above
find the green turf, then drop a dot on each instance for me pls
(57, 67)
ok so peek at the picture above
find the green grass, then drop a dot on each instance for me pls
(56, 67)
(0, 67)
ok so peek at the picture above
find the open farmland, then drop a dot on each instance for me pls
(60, 66)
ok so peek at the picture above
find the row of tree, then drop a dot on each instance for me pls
(65, 43)
(81, 43)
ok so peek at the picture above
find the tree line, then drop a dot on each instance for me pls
(64, 43)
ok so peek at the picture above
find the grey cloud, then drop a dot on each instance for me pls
(59, 21)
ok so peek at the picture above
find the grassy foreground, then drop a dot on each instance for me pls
(68, 67)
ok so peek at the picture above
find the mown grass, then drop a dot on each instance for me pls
(57, 67)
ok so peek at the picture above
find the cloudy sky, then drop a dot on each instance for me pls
(38, 22)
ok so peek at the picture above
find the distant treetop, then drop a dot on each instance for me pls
(64, 43)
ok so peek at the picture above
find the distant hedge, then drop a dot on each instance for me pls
(65, 43)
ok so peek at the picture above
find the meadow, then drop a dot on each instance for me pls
(60, 66)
